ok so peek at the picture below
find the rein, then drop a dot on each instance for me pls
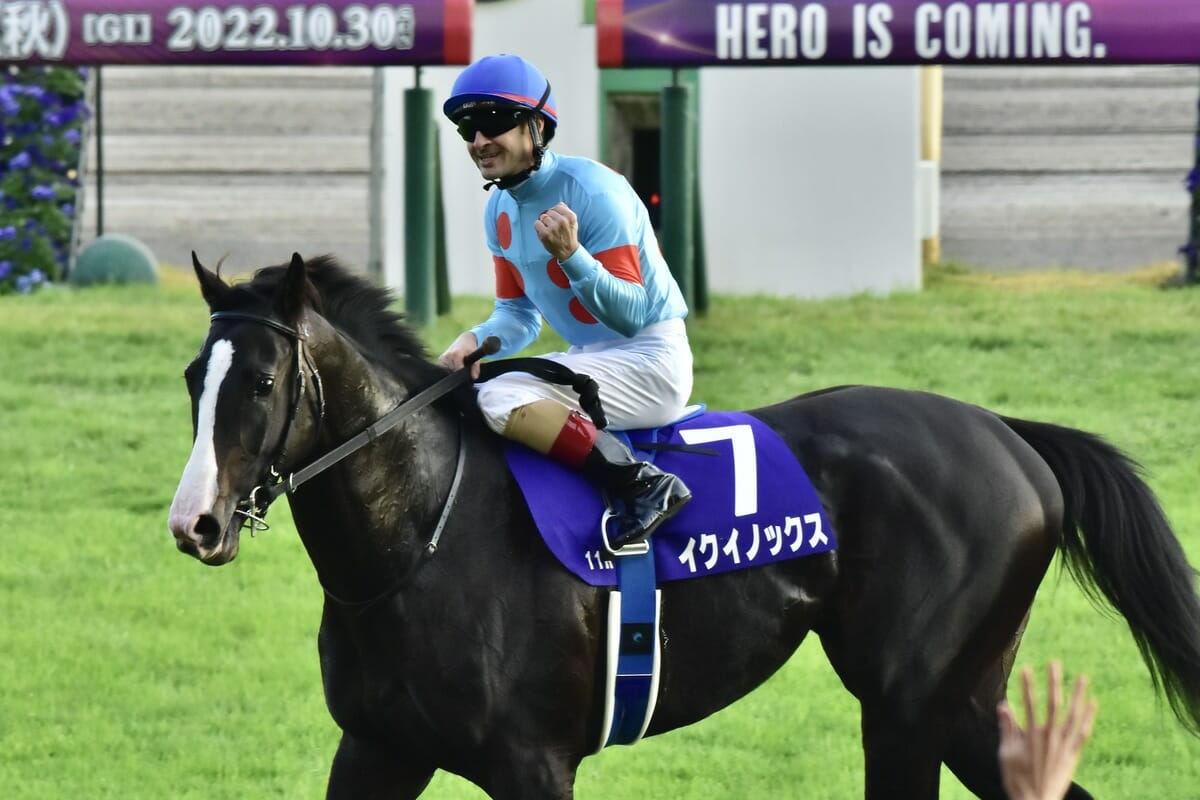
(385, 423)
(362, 606)
(254, 508)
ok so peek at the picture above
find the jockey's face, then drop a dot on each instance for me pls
(504, 154)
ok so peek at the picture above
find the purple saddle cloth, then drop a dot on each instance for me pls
(752, 502)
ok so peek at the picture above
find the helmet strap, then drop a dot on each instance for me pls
(539, 149)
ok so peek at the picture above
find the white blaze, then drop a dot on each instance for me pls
(198, 487)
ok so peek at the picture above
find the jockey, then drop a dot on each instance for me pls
(572, 243)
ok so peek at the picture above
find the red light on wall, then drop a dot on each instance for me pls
(654, 199)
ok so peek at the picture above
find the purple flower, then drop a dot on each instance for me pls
(40, 140)
(27, 283)
(61, 116)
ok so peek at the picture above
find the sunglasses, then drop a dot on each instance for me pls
(490, 123)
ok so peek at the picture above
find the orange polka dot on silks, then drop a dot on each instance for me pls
(504, 230)
(580, 313)
(555, 271)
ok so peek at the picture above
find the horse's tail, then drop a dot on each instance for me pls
(1128, 554)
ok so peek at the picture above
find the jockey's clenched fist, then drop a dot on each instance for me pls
(559, 231)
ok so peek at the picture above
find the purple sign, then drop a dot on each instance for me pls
(369, 32)
(673, 33)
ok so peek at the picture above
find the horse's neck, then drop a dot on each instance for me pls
(365, 520)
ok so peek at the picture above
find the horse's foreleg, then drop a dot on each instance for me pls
(902, 760)
(363, 770)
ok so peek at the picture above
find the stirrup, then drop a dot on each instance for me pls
(631, 549)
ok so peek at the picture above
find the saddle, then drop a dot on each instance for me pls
(752, 502)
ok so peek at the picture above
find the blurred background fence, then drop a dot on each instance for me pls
(1041, 166)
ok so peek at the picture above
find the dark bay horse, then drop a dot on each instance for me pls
(483, 657)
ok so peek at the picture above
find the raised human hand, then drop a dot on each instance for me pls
(1038, 763)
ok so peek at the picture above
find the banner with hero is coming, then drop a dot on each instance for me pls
(683, 33)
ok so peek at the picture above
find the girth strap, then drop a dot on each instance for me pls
(553, 372)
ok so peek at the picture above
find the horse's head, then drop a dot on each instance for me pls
(248, 389)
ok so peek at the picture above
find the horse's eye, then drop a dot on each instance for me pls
(264, 385)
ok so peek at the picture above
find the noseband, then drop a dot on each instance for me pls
(254, 508)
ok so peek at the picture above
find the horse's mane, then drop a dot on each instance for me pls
(361, 311)
(357, 308)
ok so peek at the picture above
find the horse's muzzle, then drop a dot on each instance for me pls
(202, 537)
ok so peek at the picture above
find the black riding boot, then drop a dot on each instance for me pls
(640, 495)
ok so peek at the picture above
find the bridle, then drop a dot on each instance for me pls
(252, 509)
(273, 483)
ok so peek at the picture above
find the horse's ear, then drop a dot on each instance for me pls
(211, 285)
(291, 299)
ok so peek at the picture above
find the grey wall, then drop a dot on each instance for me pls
(253, 162)
(1066, 166)
(1078, 166)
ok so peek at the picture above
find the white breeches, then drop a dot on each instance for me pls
(644, 381)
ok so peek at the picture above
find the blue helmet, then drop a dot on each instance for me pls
(502, 80)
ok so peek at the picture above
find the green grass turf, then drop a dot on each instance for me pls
(130, 671)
